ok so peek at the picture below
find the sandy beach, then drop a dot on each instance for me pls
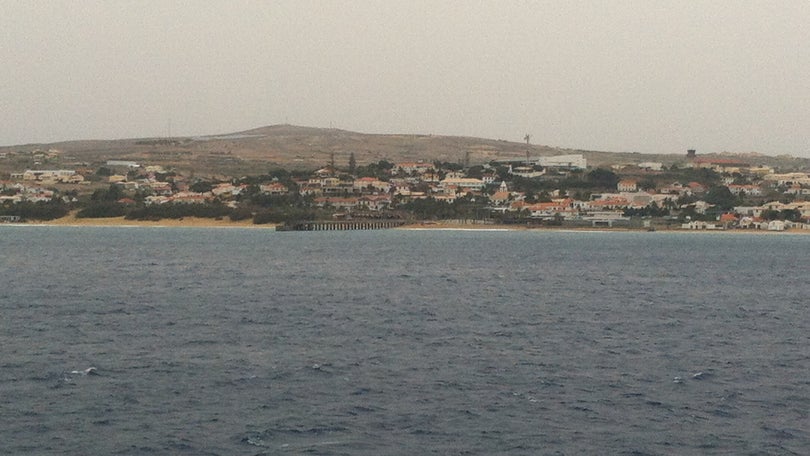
(185, 222)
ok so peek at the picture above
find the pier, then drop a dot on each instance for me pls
(340, 225)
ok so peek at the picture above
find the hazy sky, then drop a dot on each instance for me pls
(646, 76)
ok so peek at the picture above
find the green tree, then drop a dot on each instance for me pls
(646, 184)
(201, 186)
(43, 210)
(721, 197)
(380, 170)
(352, 164)
(794, 215)
(475, 172)
(112, 193)
(769, 214)
(603, 178)
(102, 209)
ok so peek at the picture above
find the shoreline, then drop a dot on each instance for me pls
(185, 222)
(195, 222)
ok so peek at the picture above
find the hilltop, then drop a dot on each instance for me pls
(299, 147)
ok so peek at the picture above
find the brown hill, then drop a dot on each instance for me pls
(260, 149)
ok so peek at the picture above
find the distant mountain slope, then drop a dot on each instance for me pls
(308, 147)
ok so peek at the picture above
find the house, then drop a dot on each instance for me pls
(728, 220)
(161, 188)
(788, 179)
(371, 184)
(652, 166)
(274, 188)
(488, 178)
(337, 202)
(462, 183)
(696, 187)
(12, 199)
(190, 198)
(699, 225)
(500, 197)
(748, 222)
(701, 207)
(777, 225)
(52, 175)
(226, 189)
(797, 189)
(560, 206)
(676, 188)
(748, 189)
(749, 211)
(627, 185)
(775, 206)
(155, 169)
(375, 203)
(325, 172)
(402, 190)
(449, 198)
(156, 199)
(431, 176)
(418, 167)
(761, 170)
(306, 188)
(721, 165)
(40, 197)
(333, 185)
(611, 202)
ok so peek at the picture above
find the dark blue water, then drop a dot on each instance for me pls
(252, 342)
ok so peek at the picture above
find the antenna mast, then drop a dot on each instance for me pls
(527, 138)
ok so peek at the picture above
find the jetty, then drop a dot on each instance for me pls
(340, 225)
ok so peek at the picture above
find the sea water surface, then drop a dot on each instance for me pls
(253, 342)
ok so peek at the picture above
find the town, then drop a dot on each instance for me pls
(694, 193)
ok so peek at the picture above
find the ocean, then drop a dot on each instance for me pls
(254, 342)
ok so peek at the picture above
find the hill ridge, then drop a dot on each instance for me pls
(286, 145)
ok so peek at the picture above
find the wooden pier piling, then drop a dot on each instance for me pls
(340, 225)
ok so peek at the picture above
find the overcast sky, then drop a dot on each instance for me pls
(647, 76)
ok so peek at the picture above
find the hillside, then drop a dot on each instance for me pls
(291, 146)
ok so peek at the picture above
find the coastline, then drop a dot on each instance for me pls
(196, 222)
(441, 226)
(185, 222)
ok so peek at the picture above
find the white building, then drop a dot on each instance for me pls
(652, 166)
(128, 164)
(574, 161)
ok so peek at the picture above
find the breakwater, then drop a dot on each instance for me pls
(339, 225)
